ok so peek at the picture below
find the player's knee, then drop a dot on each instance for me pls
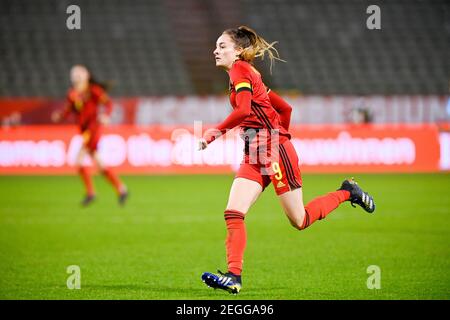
(297, 224)
(297, 220)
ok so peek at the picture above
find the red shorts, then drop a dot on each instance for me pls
(281, 169)
(91, 138)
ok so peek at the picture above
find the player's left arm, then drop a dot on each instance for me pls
(282, 107)
(105, 100)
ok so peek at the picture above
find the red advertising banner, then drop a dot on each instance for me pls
(174, 110)
(173, 150)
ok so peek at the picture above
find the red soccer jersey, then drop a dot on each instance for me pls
(86, 105)
(243, 76)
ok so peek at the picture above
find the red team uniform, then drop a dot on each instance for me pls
(269, 154)
(86, 106)
(263, 118)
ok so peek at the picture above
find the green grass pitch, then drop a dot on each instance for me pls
(172, 230)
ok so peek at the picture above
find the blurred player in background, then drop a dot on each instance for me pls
(263, 118)
(84, 100)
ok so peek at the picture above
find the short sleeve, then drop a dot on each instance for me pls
(240, 77)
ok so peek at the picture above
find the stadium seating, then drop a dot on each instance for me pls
(150, 47)
(130, 45)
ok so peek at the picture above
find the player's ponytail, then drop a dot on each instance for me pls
(253, 45)
(105, 85)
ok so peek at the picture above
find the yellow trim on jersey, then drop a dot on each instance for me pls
(78, 103)
(243, 85)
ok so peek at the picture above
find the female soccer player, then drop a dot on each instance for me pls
(84, 99)
(263, 118)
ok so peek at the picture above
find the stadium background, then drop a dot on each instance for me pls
(365, 101)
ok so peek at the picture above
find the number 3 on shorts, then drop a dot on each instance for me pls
(277, 170)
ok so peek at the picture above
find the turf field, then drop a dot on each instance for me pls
(172, 230)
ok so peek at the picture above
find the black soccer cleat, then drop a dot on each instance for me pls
(358, 196)
(123, 197)
(225, 281)
(88, 199)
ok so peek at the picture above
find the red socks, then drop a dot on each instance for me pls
(236, 240)
(87, 180)
(114, 180)
(320, 207)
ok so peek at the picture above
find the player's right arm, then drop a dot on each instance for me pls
(242, 82)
